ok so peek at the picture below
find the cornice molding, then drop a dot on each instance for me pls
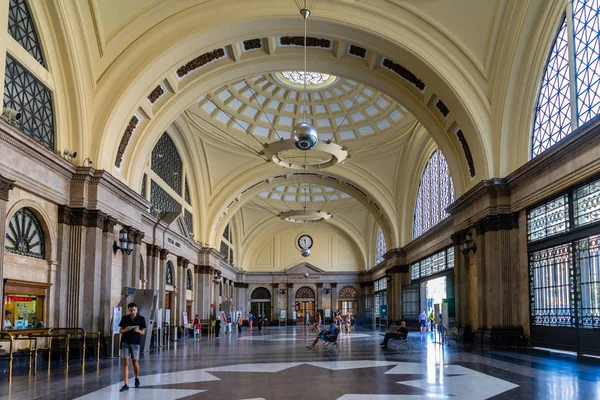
(425, 237)
(499, 222)
(483, 188)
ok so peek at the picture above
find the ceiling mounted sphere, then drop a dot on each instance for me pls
(305, 253)
(304, 136)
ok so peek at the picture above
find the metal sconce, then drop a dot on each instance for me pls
(217, 277)
(282, 291)
(305, 276)
(126, 242)
(327, 290)
(467, 244)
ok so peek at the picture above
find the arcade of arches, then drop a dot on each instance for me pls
(467, 149)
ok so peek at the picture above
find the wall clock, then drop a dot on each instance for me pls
(305, 242)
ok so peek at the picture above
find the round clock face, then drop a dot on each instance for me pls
(305, 242)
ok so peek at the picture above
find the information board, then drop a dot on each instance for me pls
(185, 318)
(168, 316)
(281, 314)
(159, 318)
(117, 314)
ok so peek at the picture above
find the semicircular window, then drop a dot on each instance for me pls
(260, 293)
(24, 235)
(169, 274)
(347, 292)
(305, 293)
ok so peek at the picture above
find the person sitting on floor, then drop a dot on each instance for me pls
(325, 333)
(400, 334)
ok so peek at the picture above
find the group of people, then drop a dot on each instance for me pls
(427, 319)
(342, 323)
(225, 321)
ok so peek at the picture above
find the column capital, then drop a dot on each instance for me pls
(138, 236)
(109, 224)
(6, 185)
(163, 254)
(276, 285)
(333, 284)
(290, 285)
(319, 285)
(241, 285)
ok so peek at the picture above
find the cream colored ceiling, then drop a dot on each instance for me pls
(478, 57)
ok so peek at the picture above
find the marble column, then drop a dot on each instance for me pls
(161, 278)
(6, 185)
(334, 298)
(291, 304)
(152, 266)
(275, 304)
(319, 303)
(136, 258)
(242, 299)
(106, 275)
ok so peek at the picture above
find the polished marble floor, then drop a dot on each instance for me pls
(275, 364)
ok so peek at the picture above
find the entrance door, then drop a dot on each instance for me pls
(261, 308)
(303, 307)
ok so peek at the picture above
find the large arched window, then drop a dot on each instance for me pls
(381, 247)
(24, 235)
(555, 106)
(436, 192)
(227, 244)
(169, 189)
(24, 91)
(188, 280)
(169, 274)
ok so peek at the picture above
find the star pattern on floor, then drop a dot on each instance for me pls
(342, 380)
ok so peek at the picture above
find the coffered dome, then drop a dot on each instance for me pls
(268, 106)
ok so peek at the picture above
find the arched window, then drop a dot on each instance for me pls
(347, 292)
(24, 235)
(227, 244)
(436, 192)
(555, 106)
(260, 293)
(169, 190)
(305, 293)
(381, 247)
(23, 91)
(169, 274)
(188, 280)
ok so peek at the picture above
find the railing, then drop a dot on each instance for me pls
(11, 339)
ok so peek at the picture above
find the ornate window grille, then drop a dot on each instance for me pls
(167, 164)
(161, 200)
(348, 293)
(24, 235)
(187, 193)
(169, 274)
(410, 302)
(305, 293)
(23, 92)
(381, 247)
(189, 221)
(227, 244)
(188, 280)
(22, 28)
(143, 188)
(260, 293)
(436, 192)
(433, 264)
(555, 106)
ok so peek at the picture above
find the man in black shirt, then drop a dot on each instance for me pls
(400, 334)
(133, 326)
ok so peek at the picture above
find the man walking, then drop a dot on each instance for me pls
(133, 326)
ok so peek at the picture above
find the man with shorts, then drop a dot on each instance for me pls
(423, 321)
(133, 326)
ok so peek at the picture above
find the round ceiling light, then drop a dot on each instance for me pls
(326, 154)
(314, 80)
(304, 136)
(301, 216)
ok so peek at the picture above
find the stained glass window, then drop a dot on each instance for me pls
(22, 28)
(24, 93)
(436, 192)
(24, 235)
(381, 247)
(555, 106)
(167, 163)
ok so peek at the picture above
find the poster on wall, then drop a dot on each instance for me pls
(168, 316)
(281, 314)
(185, 320)
(117, 313)
(159, 318)
(328, 313)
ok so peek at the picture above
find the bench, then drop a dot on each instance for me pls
(330, 341)
(395, 343)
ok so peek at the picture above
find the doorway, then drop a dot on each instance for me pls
(303, 307)
(261, 308)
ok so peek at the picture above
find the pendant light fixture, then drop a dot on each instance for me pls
(304, 135)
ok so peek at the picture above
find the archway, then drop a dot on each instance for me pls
(305, 305)
(260, 302)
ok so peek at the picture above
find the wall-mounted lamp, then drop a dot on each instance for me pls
(282, 291)
(217, 277)
(87, 160)
(467, 244)
(327, 290)
(126, 242)
(305, 276)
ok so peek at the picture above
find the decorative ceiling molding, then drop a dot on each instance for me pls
(133, 122)
(404, 73)
(310, 41)
(200, 61)
(156, 94)
(467, 152)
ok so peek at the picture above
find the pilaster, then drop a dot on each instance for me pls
(6, 185)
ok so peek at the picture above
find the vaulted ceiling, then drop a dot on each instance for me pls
(403, 77)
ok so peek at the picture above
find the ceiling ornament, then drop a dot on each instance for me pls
(314, 80)
(301, 216)
(322, 155)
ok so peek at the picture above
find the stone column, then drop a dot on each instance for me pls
(203, 293)
(106, 274)
(242, 299)
(6, 185)
(275, 304)
(319, 302)
(136, 258)
(161, 278)
(152, 266)
(334, 298)
(290, 304)
(180, 290)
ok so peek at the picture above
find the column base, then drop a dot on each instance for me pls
(504, 336)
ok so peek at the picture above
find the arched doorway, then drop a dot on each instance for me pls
(305, 305)
(347, 300)
(260, 302)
